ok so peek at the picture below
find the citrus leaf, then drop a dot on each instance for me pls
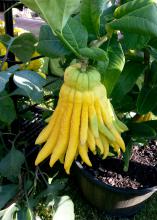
(116, 57)
(139, 19)
(6, 193)
(134, 41)
(90, 13)
(10, 211)
(7, 108)
(130, 6)
(56, 13)
(140, 130)
(23, 46)
(75, 33)
(10, 165)
(127, 79)
(31, 82)
(49, 45)
(64, 208)
(94, 53)
(4, 79)
(146, 100)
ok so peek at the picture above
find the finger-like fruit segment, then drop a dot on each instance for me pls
(51, 142)
(43, 136)
(83, 120)
(63, 138)
(91, 141)
(83, 151)
(74, 132)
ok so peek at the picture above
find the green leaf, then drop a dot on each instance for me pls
(146, 101)
(6, 40)
(6, 193)
(136, 17)
(7, 109)
(140, 130)
(153, 74)
(64, 208)
(75, 33)
(10, 211)
(130, 7)
(126, 104)
(134, 41)
(127, 79)
(111, 75)
(94, 53)
(24, 46)
(49, 45)
(90, 13)
(56, 13)
(55, 68)
(127, 155)
(31, 82)
(10, 165)
(4, 79)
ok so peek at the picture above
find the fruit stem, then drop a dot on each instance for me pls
(84, 64)
(99, 42)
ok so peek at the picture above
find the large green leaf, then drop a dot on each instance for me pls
(10, 165)
(131, 6)
(31, 82)
(139, 19)
(4, 79)
(127, 79)
(49, 45)
(147, 99)
(153, 74)
(6, 193)
(75, 33)
(111, 75)
(55, 12)
(140, 130)
(90, 13)
(134, 41)
(94, 53)
(24, 46)
(10, 212)
(7, 108)
(64, 208)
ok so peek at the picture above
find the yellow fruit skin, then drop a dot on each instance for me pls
(91, 141)
(51, 142)
(102, 128)
(105, 145)
(99, 145)
(43, 136)
(93, 117)
(84, 119)
(83, 151)
(63, 139)
(74, 132)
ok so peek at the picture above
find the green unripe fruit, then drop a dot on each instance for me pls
(94, 78)
(71, 75)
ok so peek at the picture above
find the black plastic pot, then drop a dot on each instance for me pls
(114, 201)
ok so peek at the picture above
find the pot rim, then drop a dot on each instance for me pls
(112, 188)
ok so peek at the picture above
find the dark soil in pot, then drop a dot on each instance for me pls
(119, 193)
(142, 171)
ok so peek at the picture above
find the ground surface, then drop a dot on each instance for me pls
(29, 24)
